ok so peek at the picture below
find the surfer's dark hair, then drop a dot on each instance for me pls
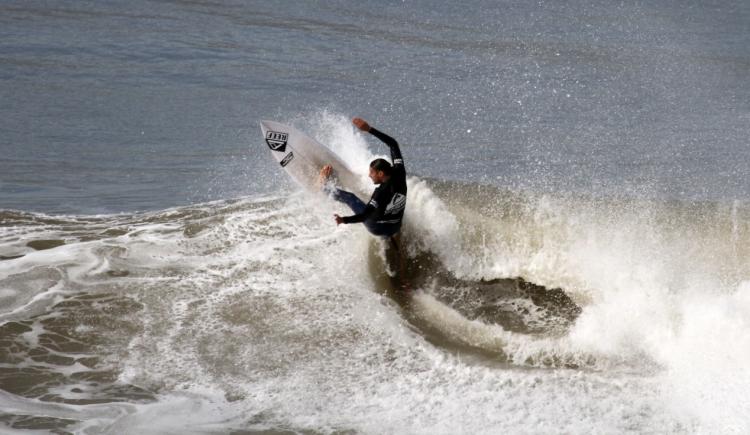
(382, 165)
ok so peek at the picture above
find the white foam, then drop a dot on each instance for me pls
(707, 359)
(8, 293)
(304, 343)
(274, 307)
(324, 352)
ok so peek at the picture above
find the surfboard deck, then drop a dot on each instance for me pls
(302, 157)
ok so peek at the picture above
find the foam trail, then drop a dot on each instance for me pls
(268, 316)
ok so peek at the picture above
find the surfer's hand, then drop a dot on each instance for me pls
(361, 124)
(339, 219)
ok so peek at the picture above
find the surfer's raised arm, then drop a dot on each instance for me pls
(396, 157)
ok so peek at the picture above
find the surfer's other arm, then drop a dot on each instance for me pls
(359, 217)
(354, 219)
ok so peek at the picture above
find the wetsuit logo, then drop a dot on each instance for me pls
(288, 158)
(396, 205)
(277, 141)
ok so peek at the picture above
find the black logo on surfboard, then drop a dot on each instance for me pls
(288, 158)
(277, 140)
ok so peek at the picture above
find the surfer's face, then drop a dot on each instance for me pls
(376, 176)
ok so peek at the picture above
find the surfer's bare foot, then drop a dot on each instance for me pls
(326, 172)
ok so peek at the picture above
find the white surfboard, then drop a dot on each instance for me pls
(302, 157)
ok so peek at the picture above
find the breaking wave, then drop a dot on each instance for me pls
(259, 313)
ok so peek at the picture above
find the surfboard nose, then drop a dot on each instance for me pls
(264, 125)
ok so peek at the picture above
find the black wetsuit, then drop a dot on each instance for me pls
(383, 214)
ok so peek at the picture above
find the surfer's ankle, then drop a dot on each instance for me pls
(324, 178)
(326, 171)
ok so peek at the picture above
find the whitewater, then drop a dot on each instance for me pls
(531, 313)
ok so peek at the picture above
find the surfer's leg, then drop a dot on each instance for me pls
(349, 199)
(328, 186)
(395, 242)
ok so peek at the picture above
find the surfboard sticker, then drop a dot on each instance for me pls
(286, 159)
(276, 140)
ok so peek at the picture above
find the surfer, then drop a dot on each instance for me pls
(383, 214)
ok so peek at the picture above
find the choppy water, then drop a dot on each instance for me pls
(577, 227)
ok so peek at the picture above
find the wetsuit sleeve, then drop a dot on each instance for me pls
(357, 218)
(378, 201)
(371, 208)
(396, 157)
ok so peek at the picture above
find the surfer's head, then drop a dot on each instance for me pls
(380, 170)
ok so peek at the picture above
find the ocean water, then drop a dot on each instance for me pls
(577, 228)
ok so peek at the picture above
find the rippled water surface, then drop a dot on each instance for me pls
(576, 230)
